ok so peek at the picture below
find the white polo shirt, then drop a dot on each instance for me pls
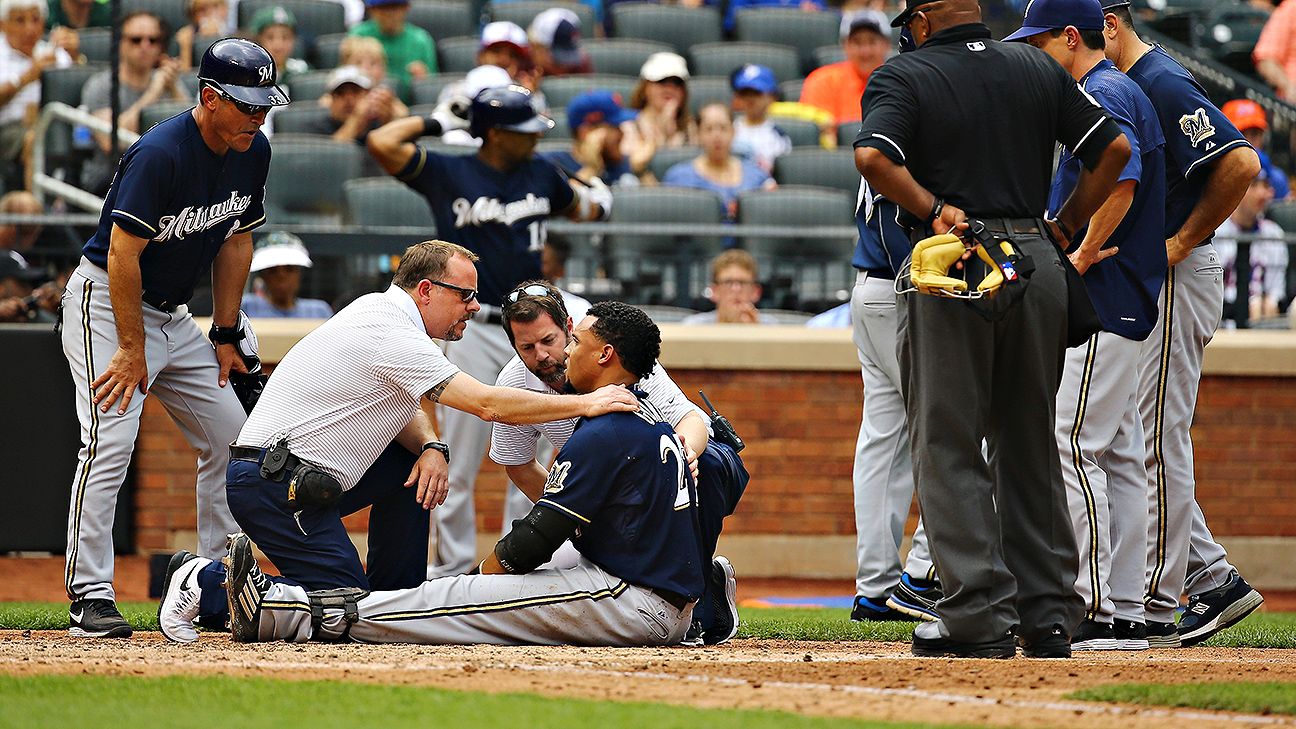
(345, 390)
(515, 445)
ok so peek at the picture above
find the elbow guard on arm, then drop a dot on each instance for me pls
(533, 540)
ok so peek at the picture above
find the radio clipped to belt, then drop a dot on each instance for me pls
(308, 486)
(929, 267)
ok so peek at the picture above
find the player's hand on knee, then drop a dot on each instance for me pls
(610, 399)
(431, 473)
(126, 371)
(228, 357)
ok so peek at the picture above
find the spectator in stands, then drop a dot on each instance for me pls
(18, 238)
(355, 108)
(1268, 254)
(78, 14)
(147, 76)
(275, 29)
(756, 137)
(1249, 118)
(735, 288)
(366, 54)
(208, 23)
(717, 169)
(837, 87)
(1275, 51)
(23, 56)
(837, 317)
(553, 259)
(661, 97)
(595, 119)
(731, 15)
(277, 264)
(410, 52)
(555, 39)
(505, 44)
(20, 301)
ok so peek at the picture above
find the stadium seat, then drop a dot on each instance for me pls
(623, 56)
(668, 157)
(386, 201)
(458, 54)
(828, 55)
(523, 12)
(817, 266)
(722, 59)
(560, 130)
(427, 90)
(327, 51)
(549, 145)
(96, 43)
(314, 17)
(296, 119)
(703, 90)
(308, 87)
(833, 168)
(802, 132)
(803, 31)
(306, 175)
(172, 12)
(673, 25)
(64, 84)
(679, 260)
(667, 314)
(443, 18)
(791, 90)
(846, 134)
(560, 90)
(1230, 33)
(161, 111)
(1284, 214)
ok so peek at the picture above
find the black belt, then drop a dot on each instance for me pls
(877, 272)
(160, 303)
(255, 455)
(1013, 226)
(676, 600)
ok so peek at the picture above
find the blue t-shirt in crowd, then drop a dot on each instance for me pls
(883, 246)
(1277, 178)
(613, 174)
(1196, 132)
(172, 190)
(624, 480)
(260, 307)
(500, 216)
(684, 174)
(1124, 288)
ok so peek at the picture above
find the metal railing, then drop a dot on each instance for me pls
(45, 184)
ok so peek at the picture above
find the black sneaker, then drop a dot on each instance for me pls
(246, 586)
(915, 598)
(875, 609)
(928, 643)
(1162, 635)
(693, 638)
(1131, 635)
(1094, 636)
(96, 618)
(722, 591)
(1053, 644)
(1211, 612)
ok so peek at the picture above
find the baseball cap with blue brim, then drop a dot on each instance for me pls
(754, 77)
(1043, 16)
(597, 106)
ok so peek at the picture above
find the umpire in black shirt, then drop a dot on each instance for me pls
(964, 128)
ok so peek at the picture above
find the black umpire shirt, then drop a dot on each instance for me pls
(974, 120)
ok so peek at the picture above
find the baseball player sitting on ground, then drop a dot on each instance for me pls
(620, 490)
(536, 321)
(344, 424)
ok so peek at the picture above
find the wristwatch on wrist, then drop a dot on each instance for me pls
(437, 445)
(225, 335)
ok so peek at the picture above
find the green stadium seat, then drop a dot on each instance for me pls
(668, 157)
(308, 87)
(549, 145)
(560, 90)
(523, 12)
(161, 111)
(817, 266)
(297, 119)
(791, 90)
(326, 54)
(803, 31)
(681, 260)
(846, 134)
(802, 132)
(621, 56)
(314, 17)
(1229, 33)
(722, 59)
(828, 55)
(64, 84)
(428, 90)
(1284, 214)
(703, 90)
(96, 43)
(834, 168)
(458, 54)
(386, 201)
(306, 175)
(443, 18)
(673, 25)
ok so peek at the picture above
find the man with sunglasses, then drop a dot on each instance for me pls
(988, 368)
(345, 423)
(185, 198)
(496, 204)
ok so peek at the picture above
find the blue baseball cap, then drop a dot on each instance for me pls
(593, 107)
(754, 77)
(1045, 15)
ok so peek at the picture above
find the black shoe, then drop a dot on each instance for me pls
(1211, 612)
(245, 586)
(1130, 635)
(1094, 636)
(1054, 644)
(1162, 635)
(875, 609)
(936, 646)
(693, 638)
(722, 591)
(96, 618)
(916, 598)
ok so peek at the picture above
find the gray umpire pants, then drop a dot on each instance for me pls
(482, 353)
(883, 475)
(1178, 541)
(1000, 533)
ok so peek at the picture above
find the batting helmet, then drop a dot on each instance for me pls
(243, 71)
(506, 107)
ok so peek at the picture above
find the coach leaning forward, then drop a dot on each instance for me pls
(963, 128)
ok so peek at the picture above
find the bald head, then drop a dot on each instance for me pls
(931, 18)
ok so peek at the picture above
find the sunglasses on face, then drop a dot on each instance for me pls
(532, 290)
(242, 106)
(142, 39)
(465, 295)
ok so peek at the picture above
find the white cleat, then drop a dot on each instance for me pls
(180, 597)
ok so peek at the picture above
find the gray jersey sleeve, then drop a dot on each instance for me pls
(513, 445)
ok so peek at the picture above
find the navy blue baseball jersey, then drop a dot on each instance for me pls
(172, 190)
(883, 245)
(1125, 287)
(500, 216)
(624, 479)
(1196, 132)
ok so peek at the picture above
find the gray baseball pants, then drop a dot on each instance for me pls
(182, 374)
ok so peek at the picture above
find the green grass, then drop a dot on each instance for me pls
(1246, 698)
(36, 702)
(1260, 630)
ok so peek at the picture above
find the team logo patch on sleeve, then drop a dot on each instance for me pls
(1196, 126)
(557, 477)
